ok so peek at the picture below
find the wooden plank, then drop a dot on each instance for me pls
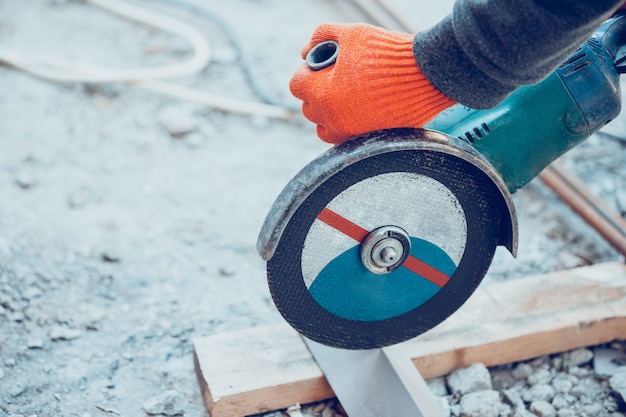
(269, 368)
(261, 369)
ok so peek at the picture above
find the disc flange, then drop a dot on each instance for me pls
(385, 249)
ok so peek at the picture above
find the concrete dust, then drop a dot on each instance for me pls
(129, 219)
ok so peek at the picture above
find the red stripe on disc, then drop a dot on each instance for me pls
(357, 233)
(424, 270)
(342, 224)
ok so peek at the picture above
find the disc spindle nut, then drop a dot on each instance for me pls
(385, 249)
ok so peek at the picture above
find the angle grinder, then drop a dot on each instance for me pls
(384, 236)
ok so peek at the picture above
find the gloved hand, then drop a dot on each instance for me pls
(374, 84)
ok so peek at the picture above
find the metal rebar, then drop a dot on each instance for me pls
(591, 208)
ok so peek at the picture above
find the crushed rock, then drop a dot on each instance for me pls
(618, 382)
(474, 378)
(481, 404)
(542, 409)
(558, 385)
(607, 362)
(167, 403)
(539, 392)
(578, 357)
(63, 333)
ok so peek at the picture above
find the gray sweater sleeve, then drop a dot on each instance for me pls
(487, 48)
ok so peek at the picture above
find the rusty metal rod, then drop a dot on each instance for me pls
(609, 224)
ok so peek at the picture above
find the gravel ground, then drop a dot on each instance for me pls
(129, 219)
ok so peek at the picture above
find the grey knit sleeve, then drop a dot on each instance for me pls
(487, 48)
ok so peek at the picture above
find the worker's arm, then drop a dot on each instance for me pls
(487, 48)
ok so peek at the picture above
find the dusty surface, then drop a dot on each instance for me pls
(120, 242)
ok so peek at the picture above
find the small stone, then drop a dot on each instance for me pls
(557, 363)
(610, 404)
(566, 412)
(444, 405)
(9, 303)
(593, 409)
(618, 382)
(63, 333)
(16, 391)
(178, 121)
(523, 371)
(522, 412)
(542, 409)
(606, 362)
(24, 180)
(579, 372)
(31, 292)
(481, 404)
(505, 410)
(195, 140)
(573, 378)
(10, 363)
(541, 376)
(562, 384)
(471, 379)
(561, 401)
(502, 379)
(166, 403)
(109, 257)
(578, 357)
(329, 412)
(319, 408)
(77, 199)
(34, 343)
(17, 316)
(438, 386)
(586, 389)
(541, 392)
(512, 397)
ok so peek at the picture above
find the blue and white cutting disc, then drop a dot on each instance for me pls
(384, 246)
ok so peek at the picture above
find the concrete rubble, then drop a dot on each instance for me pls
(552, 386)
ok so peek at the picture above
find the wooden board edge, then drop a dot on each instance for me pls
(259, 401)
(505, 351)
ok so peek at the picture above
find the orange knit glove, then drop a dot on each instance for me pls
(374, 84)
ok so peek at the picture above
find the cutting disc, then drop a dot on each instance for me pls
(387, 246)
